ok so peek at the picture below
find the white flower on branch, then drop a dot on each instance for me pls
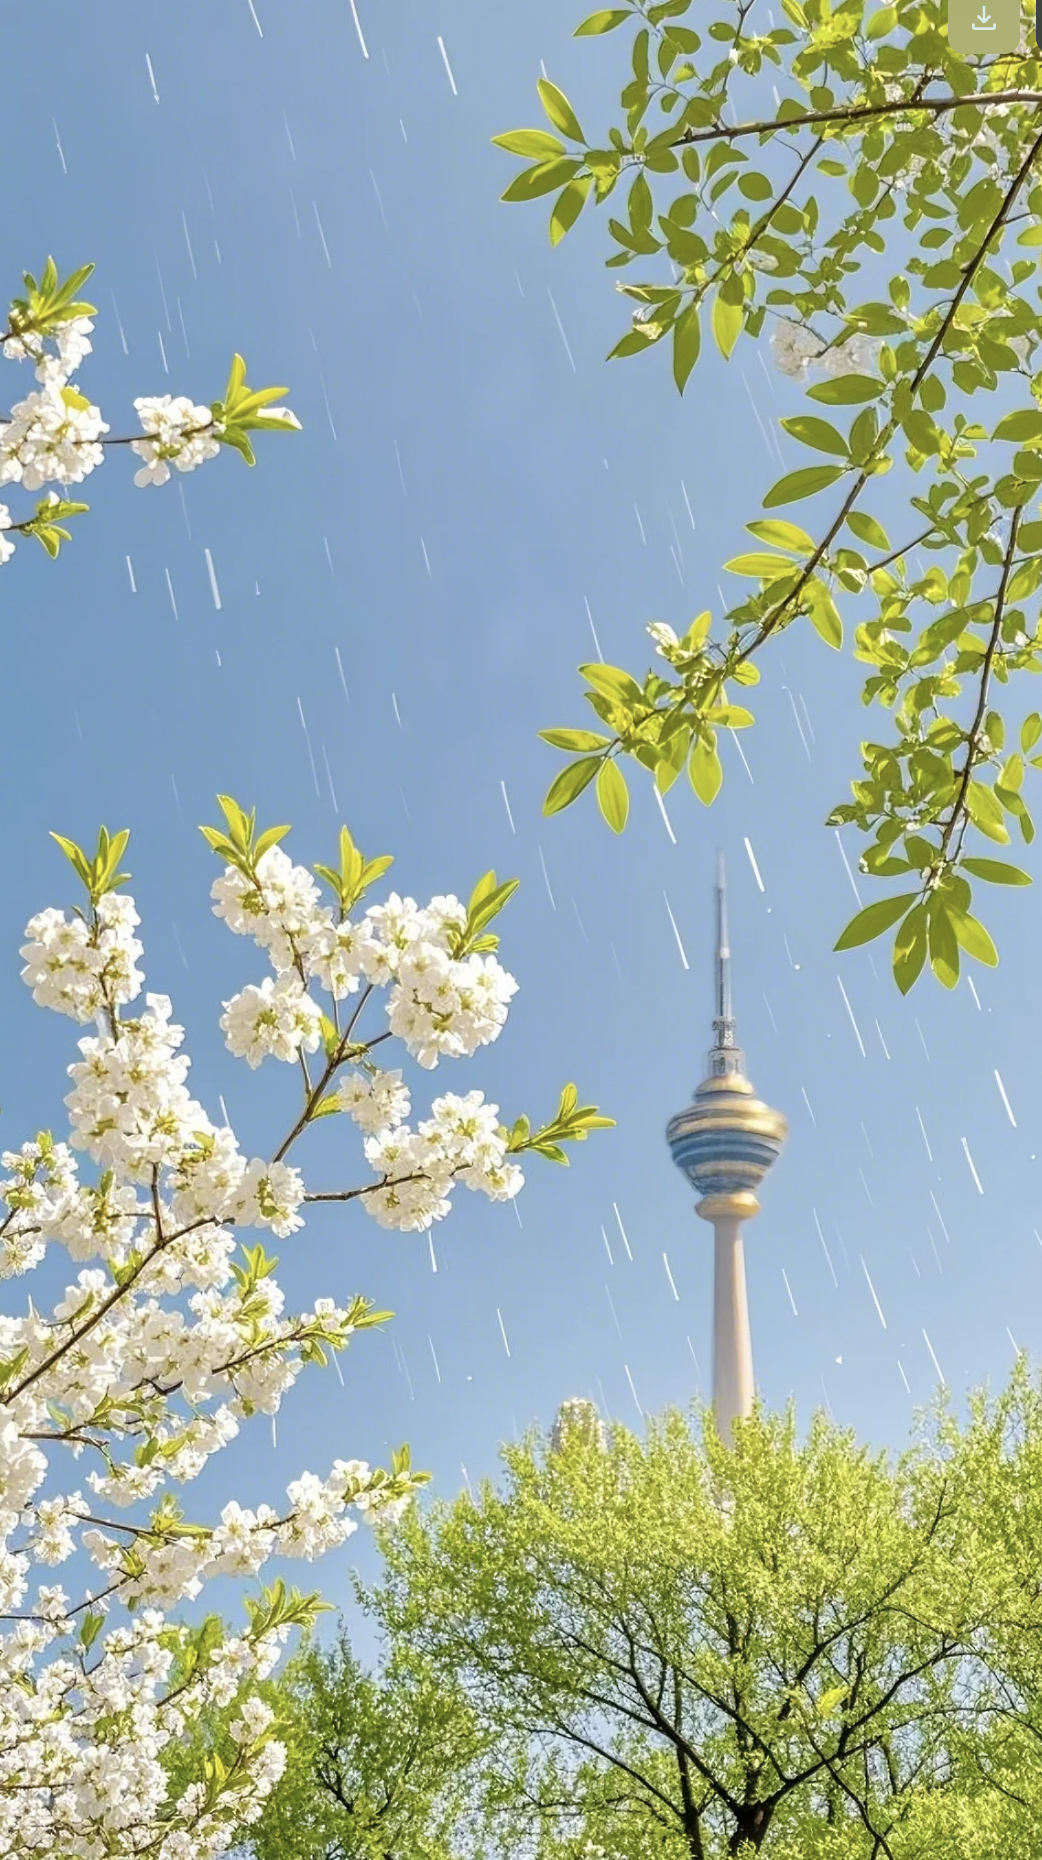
(52, 437)
(179, 434)
(129, 1108)
(376, 1103)
(80, 968)
(271, 1195)
(278, 1018)
(72, 345)
(796, 348)
(461, 1141)
(280, 910)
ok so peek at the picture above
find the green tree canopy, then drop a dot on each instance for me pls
(376, 1762)
(794, 1648)
(849, 185)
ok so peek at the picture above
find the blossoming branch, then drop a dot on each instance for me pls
(57, 436)
(172, 1333)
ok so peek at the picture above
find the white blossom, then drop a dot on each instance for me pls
(278, 1018)
(269, 1196)
(278, 911)
(461, 1141)
(71, 340)
(795, 348)
(80, 967)
(52, 436)
(179, 434)
(130, 1109)
(376, 1101)
(334, 952)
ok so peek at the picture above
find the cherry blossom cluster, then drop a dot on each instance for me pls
(57, 436)
(440, 1005)
(56, 354)
(179, 434)
(795, 349)
(171, 1333)
(52, 437)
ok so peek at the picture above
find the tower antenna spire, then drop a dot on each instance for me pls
(723, 948)
(726, 1055)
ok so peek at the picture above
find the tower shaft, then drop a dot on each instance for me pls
(733, 1384)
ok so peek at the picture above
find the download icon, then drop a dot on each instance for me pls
(984, 26)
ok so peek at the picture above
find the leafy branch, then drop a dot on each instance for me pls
(572, 1123)
(960, 164)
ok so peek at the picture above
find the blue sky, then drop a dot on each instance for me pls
(469, 478)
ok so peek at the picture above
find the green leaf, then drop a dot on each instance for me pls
(570, 783)
(824, 615)
(486, 901)
(974, 939)
(782, 535)
(641, 202)
(697, 632)
(543, 178)
(1022, 426)
(881, 23)
(568, 207)
(730, 717)
(1030, 731)
(1024, 579)
(602, 22)
(816, 433)
(867, 530)
(846, 390)
(76, 857)
(799, 484)
(944, 947)
(559, 110)
(535, 143)
(761, 567)
(90, 1627)
(233, 436)
(687, 341)
(705, 771)
(727, 324)
(613, 796)
(875, 920)
(574, 739)
(922, 432)
(635, 342)
(236, 377)
(985, 810)
(617, 685)
(270, 837)
(910, 949)
(326, 1107)
(995, 872)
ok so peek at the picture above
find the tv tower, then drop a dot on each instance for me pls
(725, 1142)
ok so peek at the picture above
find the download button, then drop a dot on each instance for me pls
(984, 26)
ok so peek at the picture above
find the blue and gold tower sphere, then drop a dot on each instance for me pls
(726, 1139)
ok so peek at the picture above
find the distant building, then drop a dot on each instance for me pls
(578, 1417)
